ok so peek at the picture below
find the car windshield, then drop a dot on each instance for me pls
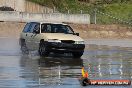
(56, 28)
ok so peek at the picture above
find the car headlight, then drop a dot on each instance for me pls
(79, 42)
(54, 40)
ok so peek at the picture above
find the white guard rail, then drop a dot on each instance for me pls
(57, 17)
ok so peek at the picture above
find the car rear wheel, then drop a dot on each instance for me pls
(43, 49)
(77, 54)
(24, 48)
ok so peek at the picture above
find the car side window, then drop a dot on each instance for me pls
(49, 28)
(33, 27)
(27, 28)
(46, 28)
(36, 28)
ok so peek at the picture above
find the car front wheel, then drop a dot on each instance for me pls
(24, 48)
(43, 49)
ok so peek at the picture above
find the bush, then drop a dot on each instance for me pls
(121, 9)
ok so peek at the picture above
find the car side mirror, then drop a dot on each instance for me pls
(36, 31)
(77, 34)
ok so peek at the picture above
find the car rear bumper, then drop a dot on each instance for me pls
(64, 47)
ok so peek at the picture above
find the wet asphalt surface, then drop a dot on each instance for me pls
(62, 71)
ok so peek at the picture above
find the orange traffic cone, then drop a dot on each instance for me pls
(84, 74)
(84, 79)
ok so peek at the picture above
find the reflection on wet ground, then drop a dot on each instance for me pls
(105, 62)
(62, 71)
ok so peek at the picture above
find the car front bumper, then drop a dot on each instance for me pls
(65, 47)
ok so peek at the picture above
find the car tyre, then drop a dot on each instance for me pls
(24, 48)
(77, 54)
(43, 49)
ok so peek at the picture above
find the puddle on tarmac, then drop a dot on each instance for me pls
(59, 71)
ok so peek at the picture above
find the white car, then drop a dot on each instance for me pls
(49, 37)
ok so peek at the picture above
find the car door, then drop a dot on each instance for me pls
(25, 31)
(29, 35)
(35, 36)
(25, 34)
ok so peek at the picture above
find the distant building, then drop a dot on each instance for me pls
(17, 5)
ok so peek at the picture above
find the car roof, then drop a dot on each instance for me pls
(49, 23)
